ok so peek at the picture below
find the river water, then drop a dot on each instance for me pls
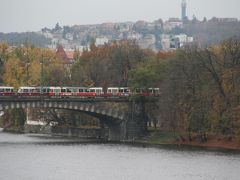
(38, 157)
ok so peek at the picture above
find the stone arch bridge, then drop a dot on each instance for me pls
(125, 119)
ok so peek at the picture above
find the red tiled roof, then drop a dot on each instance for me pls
(60, 53)
(67, 56)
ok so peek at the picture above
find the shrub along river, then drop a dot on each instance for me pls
(38, 157)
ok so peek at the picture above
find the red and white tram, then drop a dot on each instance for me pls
(81, 92)
(51, 91)
(97, 91)
(28, 91)
(154, 91)
(74, 92)
(6, 91)
(118, 91)
(147, 92)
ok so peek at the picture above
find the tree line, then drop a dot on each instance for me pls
(200, 87)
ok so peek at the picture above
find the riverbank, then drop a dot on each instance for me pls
(14, 129)
(153, 138)
(63, 131)
(214, 142)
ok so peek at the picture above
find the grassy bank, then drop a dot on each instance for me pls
(167, 138)
(159, 137)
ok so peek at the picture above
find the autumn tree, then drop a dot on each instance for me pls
(109, 65)
(4, 56)
(200, 94)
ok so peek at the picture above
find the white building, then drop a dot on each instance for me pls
(134, 36)
(165, 44)
(172, 23)
(151, 26)
(165, 41)
(147, 42)
(100, 41)
(69, 36)
(184, 39)
(169, 42)
(47, 35)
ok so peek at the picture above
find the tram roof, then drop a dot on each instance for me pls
(6, 87)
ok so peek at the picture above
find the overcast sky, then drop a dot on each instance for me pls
(32, 15)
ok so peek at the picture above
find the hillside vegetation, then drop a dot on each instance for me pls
(204, 32)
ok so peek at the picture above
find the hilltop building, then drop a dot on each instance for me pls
(172, 23)
(147, 42)
(225, 20)
(66, 56)
(100, 41)
(172, 42)
(184, 10)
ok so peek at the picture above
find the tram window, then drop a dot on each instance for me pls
(1, 90)
(115, 90)
(80, 90)
(56, 90)
(74, 90)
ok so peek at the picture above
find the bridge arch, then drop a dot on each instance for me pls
(89, 108)
(124, 118)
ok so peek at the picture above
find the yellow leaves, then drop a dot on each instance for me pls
(48, 55)
(13, 74)
(4, 52)
(217, 49)
(34, 73)
(3, 48)
(23, 65)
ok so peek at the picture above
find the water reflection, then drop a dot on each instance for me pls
(45, 157)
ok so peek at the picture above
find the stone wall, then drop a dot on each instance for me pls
(80, 132)
(66, 131)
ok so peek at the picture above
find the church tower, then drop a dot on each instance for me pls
(184, 10)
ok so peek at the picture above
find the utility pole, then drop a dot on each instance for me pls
(41, 91)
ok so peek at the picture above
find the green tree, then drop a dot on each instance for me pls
(149, 74)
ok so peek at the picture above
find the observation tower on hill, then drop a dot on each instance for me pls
(184, 10)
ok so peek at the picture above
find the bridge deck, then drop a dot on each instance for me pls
(35, 99)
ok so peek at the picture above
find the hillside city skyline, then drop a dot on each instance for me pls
(34, 15)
